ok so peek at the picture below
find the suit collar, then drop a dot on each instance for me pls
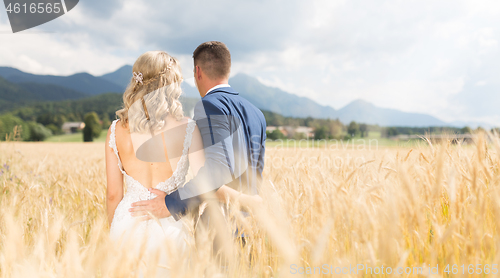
(227, 90)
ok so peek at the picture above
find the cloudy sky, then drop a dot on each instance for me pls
(435, 57)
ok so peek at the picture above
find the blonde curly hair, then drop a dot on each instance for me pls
(159, 89)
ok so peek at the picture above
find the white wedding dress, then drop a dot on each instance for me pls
(125, 227)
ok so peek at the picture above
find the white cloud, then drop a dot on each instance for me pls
(436, 57)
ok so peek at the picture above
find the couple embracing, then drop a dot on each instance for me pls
(154, 148)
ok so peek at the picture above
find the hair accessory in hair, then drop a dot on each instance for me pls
(138, 77)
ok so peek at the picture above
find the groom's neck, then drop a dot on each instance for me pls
(212, 83)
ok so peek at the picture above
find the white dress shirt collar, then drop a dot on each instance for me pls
(217, 87)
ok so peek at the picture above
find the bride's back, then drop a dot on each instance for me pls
(151, 102)
(149, 174)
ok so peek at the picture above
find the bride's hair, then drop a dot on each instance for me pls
(156, 79)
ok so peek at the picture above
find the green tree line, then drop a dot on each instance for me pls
(334, 129)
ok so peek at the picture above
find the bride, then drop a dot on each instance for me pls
(152, 145)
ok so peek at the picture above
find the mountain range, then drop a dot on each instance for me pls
(18, 88)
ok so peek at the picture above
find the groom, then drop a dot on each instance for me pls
(233, 132)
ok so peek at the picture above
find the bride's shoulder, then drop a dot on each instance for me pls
(117, 126)
(119, 122)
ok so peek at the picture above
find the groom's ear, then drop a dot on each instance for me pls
(197, 70)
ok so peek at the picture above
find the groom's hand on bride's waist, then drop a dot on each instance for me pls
(155, 207)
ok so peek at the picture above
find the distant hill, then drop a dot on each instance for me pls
(16, 95)
(286, 104)
(26, 87)
(120, 77)
(81, 82)
(365, 112)
(290, 105)
(12, 95)
(277, 100)
(51, 92)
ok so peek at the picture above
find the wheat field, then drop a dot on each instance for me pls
(354, 212)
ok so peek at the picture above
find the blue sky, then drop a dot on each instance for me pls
(435, 57)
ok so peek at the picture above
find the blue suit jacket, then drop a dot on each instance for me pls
(234, 134)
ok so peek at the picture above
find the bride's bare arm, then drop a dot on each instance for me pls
(196, 161)
(114, 177)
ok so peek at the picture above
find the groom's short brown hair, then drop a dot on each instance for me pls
(214, 59)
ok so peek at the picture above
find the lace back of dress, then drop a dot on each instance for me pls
(179, 176)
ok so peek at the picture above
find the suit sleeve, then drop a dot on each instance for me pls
(216, 130)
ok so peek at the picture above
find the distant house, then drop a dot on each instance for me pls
(308, 131)
(72, 127)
